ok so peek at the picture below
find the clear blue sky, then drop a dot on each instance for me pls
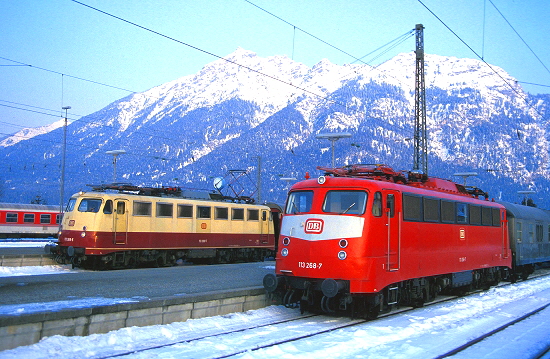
(62, 36)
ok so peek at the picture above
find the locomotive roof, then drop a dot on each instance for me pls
(526, 212)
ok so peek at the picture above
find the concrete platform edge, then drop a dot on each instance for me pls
(28, 329)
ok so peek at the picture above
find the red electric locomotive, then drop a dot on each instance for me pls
(363, 238)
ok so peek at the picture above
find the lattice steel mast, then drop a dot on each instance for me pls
(420, 132)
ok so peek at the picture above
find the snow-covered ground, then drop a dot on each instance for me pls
(422, 333)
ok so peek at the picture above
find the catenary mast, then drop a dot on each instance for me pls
(420, 132)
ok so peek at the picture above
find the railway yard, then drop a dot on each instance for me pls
(508, 321)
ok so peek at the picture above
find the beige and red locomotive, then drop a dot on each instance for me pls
(125, 226)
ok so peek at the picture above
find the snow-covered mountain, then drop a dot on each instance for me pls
(237, 109)
(31, 132)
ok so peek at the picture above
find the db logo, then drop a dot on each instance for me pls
(314, 225)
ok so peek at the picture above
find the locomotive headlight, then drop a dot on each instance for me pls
(343, 243)
(321, 179)
(342, 255)
(286, 241)
(83, 234)
(284, 252)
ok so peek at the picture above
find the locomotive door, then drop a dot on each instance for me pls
(120, 225)
(393, 217)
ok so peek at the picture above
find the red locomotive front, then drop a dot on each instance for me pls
(363, 243)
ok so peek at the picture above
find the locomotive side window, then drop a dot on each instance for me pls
(462, 213)
(45, 218)
(222, 213)
(142, 208)
(237, 214)
(28, 218)
(185, 211)
(390, 204)
(11, 217)
(253, 215)
(351, 202)
(164, 209)
(120, 207)
(412, 208)
(70, 205)
(475, 215)
(486, 216)
(448, 212)
(377, 205)
(299, 202)
(204, 212)
(108, 208)
(89, 205)
(431, 210)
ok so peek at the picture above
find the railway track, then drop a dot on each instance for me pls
(293, 328)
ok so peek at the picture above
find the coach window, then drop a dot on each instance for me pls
(28, 218)
(237, 214)
(531, 233)
(431, 210)
(540, 233)
(377, 205)
(462, 213)
(222, 213)
(448, 212)
(185, 211)
(108, 208)
(11, 218)
(204, 212)
(412, 208)
(486, 216)
(341, 202)
(164, 209)
(142, 208)
(299, 202)
(253, 215)
(58, 219)
(89, 205)
(45, 218)
(519, 231)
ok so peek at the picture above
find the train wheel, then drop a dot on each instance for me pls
(325, 304)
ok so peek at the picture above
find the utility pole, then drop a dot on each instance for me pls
(64, 154)
(420, 132)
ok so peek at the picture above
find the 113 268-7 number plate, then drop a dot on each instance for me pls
(310, 265)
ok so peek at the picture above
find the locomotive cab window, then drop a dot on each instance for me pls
(342, 202)
(89, 205)
(108, 208)
(70, 205)
(299, 202)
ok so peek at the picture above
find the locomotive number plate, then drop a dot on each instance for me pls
(310, 265)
